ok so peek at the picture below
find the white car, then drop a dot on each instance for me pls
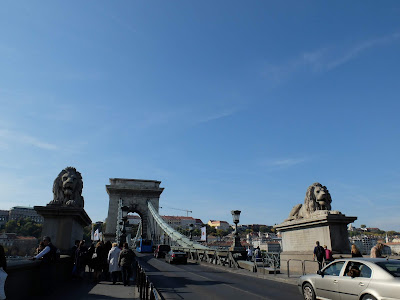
(354, 279)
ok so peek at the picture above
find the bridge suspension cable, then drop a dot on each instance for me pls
(174, 235)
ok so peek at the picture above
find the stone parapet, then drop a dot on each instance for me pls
(327, 227)
(63, 224)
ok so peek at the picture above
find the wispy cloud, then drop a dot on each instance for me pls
(182, 116)
(282, 163)
(355, 50)
(25, 139)
(325, 58)
(216, 115)
(288, 162)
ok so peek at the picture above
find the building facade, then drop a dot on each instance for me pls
(24, 212)
(219, 224)
(3, 217)
(183, 222)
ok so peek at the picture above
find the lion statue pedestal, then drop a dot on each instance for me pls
(310, 222)
(65, 217)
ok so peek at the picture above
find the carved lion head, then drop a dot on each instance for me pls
(67, 188)
(317, 198)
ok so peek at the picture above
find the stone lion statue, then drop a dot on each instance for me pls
(317, 198)
(67, 188)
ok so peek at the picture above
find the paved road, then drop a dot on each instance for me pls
(193, 281)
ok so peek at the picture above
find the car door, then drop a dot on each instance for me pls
(352, 286)
(327, 283)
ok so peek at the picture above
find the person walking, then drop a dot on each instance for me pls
(328, 255)
(97, 261)
(113, 256)
(125, 261)
(80, 259)
(249, 253)
(319, 253)
(355, 252)
(376, 251)
(3, 273)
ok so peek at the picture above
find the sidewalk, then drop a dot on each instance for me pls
(85, 289)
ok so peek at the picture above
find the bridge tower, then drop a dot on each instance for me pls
(134, 193)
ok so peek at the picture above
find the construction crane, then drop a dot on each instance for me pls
(187, 211)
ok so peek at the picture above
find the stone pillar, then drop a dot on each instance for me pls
(135, 193)
(63, 224)
(299, 237)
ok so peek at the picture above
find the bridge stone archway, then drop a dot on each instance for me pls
(135, 194)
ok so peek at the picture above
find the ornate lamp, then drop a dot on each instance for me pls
(191, 228)
(125, 211)
(236, 245)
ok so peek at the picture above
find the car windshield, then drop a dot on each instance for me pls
(334, 268)
(164, 248)
(393, 267)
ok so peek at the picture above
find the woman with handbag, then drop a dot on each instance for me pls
(3, 273)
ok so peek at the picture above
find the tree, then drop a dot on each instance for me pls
(363, 226)
(24, 227)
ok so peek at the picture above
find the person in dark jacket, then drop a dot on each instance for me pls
(47, 272)
(99, 258)
(319, 253)
(125, 260)
(80, 259)
(3, 272)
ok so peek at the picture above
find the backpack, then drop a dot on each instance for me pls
(320, 252)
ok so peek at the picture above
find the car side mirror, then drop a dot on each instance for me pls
(319, 272)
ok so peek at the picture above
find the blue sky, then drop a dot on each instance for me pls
(231, 104)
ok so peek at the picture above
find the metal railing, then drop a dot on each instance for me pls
(303, 265)
(146, 289)
(268, 259)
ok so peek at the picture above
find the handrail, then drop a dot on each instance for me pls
(291, 259)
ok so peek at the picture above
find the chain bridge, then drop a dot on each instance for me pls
(142, 197)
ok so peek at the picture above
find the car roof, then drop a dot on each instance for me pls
(373, 260)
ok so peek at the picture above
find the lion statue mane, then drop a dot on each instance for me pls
(67, 188)
(317, 198)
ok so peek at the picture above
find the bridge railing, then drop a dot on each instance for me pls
(145, 287)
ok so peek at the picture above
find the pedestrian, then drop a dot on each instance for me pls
(113, 256)
(376, 251)
(73, 249)
(257, 252)
(107, 248)
(49, 253)
(249, 253)
(48, 256)
(3, 273)
(97, 261)
(40, 247)
(328, 255)
(80, 259)
(319, 253)
(355, 252)
(125, 261)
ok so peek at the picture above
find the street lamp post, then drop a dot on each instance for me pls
(191, 227)
(125, 211)
(236, 245)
